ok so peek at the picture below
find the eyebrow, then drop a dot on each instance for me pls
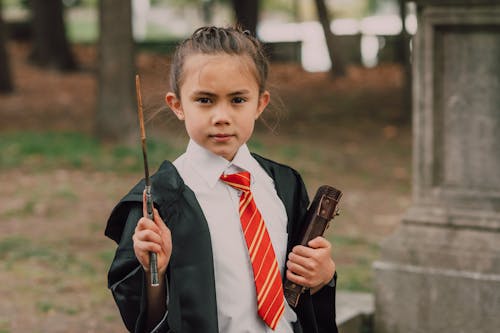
(211, 94)
(239, 92)
(202, 92)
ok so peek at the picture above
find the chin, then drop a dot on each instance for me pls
(225, 150)
(224, 154)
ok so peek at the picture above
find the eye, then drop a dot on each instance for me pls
(238, 100)
(204, 100)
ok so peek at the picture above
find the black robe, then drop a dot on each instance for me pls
(191, 286)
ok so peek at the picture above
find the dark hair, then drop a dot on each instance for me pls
(214, 40)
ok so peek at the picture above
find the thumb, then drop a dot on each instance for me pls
(318, 242)
(157, 218)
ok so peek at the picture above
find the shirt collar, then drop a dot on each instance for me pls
(211, 166)
(243, 160)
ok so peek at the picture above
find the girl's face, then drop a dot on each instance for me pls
(219, 101)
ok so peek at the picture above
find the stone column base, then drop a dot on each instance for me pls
(438, 280)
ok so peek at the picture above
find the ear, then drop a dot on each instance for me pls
(264, 99)
(174, 103)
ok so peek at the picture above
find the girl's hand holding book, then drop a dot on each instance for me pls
(313, 266)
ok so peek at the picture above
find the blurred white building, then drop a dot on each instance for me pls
(314, 51)
(140, 12)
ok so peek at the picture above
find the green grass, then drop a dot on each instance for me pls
(50, 150)
(4, 323)
(27, 209)
(107, 256)
(15, 250)
(83, 31)
(355, 278)
(8, 245)
(45, 307)
(354, 256)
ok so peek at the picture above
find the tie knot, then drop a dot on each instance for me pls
(240, 180)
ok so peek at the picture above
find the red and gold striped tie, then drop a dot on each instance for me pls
(268, 285)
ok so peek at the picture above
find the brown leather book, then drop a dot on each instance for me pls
(321, 211)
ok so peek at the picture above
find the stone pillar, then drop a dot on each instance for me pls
(440, 271)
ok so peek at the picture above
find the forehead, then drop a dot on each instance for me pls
(217, 70)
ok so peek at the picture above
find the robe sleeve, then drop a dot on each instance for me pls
(126, 278)
(324, 308)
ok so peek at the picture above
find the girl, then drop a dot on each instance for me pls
(225, 219)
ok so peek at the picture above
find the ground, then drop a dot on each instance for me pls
(352, 133)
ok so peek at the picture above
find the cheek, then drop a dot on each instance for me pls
(249, 125)
(193, 124)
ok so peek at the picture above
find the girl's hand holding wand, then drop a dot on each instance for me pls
(152, 236)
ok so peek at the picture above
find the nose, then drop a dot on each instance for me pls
(221, 115)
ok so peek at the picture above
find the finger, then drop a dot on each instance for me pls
(303, 251)
(148, 235)
(306, 281)
(143, 258)
(311, 265)
(160, 224)
(144, 247)
(146, 239)
(166, 238)
(299, 260)
(319, 242)
(157, 218)
(297, 279)
(298, 269)
(146, 224)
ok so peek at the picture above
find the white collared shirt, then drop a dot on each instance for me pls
(234, 284)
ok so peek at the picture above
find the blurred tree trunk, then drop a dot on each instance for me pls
(247, 14)
(207, 10)
(338, 66)
(51, 48)
(404, 58)
(6, 85)
(404, 46)
(116, 94)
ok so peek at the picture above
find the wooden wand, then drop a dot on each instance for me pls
(153, 260)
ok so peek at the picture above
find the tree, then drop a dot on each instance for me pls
(51, 48)
(404, 55)
(338, 66)
(247, 14)
(5, 77)
(404, 38)
(207, 8)
(116, 96)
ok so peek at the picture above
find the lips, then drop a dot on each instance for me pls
(221, 137)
